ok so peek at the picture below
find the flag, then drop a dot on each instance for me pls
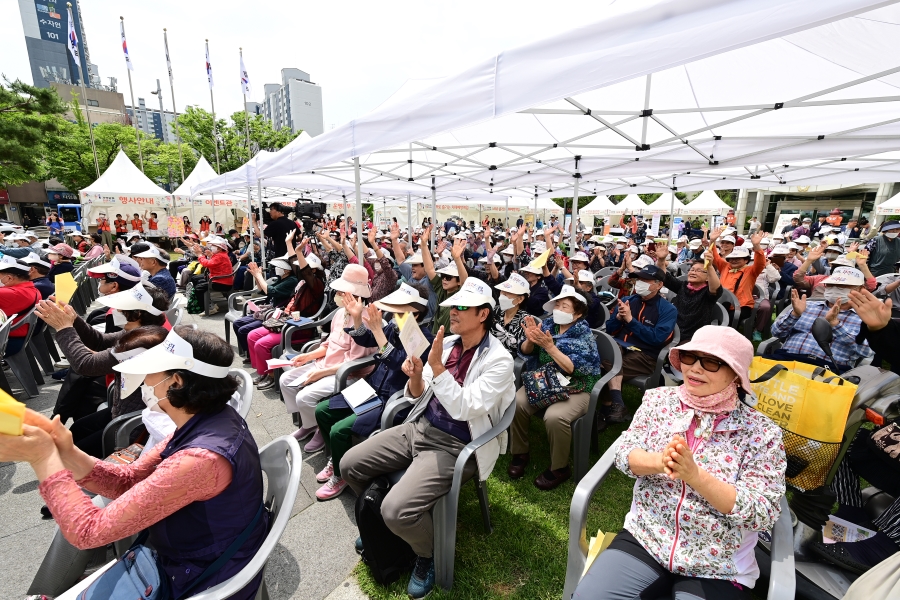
(209, 68)
(73, 39)
(245, 79)
(168, 62)
(125, 47)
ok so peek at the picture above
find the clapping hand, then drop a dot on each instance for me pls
(57, 317)
(756, 238)
(681, 462)
(436, 354)
(459, 246)
(353, 306)
(832, 315)
(874, 313)
(372, 317)
(624, 313)
(798, 304)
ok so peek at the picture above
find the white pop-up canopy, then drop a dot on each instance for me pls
(665, 205)
(706, 204)
(203, 171)
(600, 206)
(630, 205)
(124, 187)
(889, 207)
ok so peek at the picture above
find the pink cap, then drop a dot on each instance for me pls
(724, 343)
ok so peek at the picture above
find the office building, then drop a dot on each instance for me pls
(296, 103)
(153, 122)
(106, 106)
(46, 26)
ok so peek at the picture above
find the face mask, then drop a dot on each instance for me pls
(831, 256)
(148, 393)
(282, 272)
(642, 288)
(507, 258)
(377, 267)
(890, 236)
(339, 300)
(834, 295)
(561, 317)
(118, 318)
(505, 303)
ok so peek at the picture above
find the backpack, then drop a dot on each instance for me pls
(386, 554)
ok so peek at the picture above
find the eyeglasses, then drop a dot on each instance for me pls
(709, 364)
(461, 308)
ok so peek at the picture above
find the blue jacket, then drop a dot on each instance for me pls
(651, 327)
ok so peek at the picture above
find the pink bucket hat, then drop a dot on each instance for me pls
(355, 280)
(724, 343)
(63, 250)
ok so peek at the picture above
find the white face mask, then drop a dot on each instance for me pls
(561, 317)
(339, 300)
(507, 258)
(833, 295)
(830, 256)
(118, 318)
(891, 235)
(642, 288)
(148, 393)
(505, 303)
(377, 267)
(283, 272)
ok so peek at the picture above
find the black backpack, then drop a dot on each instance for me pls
(386, 554)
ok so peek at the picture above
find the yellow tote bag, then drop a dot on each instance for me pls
(811, 405)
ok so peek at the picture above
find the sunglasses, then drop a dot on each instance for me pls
(461, 308)
(446, 277)
(709, 364)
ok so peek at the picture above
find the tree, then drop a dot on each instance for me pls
(71, 161)
(29, 116)
(196, 129)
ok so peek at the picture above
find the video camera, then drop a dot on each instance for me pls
(309, 213)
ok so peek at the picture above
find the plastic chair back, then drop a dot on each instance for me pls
(281, 461)
(245, 391)
(723, 319)
(728, 298)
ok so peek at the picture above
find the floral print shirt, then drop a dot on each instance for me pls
(676, 524)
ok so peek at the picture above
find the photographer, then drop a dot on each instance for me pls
(276, 229)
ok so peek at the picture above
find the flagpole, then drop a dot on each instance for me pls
(212, 103)
(249, 154)
(174, 106)
(87, 111)
(137, 132)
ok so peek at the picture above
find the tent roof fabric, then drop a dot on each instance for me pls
(891, 206)
(631, 204)
(707, 203)
(123, 178)
(659, 94)
(601, 205)
(665, 203)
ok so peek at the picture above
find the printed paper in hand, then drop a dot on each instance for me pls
(839, 530)
(411, 335)
(65, 287)
(277, 363)
(541, 260)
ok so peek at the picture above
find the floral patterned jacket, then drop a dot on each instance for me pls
(677, 525)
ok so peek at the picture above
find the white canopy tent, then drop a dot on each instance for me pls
(631, 205)
(122, 187)
(889, 207)
(666, 204)
(657, 96)
(600, 206)
(707, 203)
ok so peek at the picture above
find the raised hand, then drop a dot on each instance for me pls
(757, 237)
(798, 304)
(459, 246)
(817, 252)
(832, 315)
(353, 306)
(395, 231)
(289, 237)
(714, 234)
(441, 247)
(372, 317)
(412, 367)
(370, 235)
(874, 313)
(435, 356)
(662, 253)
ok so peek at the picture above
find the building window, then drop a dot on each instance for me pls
(93, 103)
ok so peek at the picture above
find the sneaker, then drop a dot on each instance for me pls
(62, 364)
(304, 432)
(422, 581)
(326, 473)
(332, 488)
(316, 443)
(757, 336)
(213, 309)
(617, 414)
(358, 545)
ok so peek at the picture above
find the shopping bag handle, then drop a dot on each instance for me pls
(817, 372)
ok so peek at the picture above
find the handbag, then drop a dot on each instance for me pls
(810, 404)
(885, 442)
(544, 387)
(139, 576)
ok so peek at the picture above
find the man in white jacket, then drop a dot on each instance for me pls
(462, 390)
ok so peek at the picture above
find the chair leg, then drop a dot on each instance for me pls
(444, 518)
(227, 332)
(51, 345)
(580, 446)
(35, 368)
(206, 302)
(481, 489)
(21, 368)
(4, 383)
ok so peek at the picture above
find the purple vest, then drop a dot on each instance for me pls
(192, 538)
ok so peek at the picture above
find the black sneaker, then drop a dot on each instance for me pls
(358, 545)
(617, 414)
(45, 513)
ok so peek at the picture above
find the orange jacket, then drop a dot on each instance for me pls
(742, 279)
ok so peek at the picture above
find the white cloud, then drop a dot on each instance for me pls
(359, 52)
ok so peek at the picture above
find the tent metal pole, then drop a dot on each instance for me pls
(249, 221)
(212, 200)
(573, 241)
(506, 200)
(262, 235)
(646, 107)
(360, 246)
(433, 213)
(671, 212)
(409, 219)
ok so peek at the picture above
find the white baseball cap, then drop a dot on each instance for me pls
(585, 276)
(313, 261)
(581, 257)
(845, 276)
(8, 262)
(781, 250)
(281, 264)
(474, 292)
(642, 261)
(173, 353)
(153, 252)
(695, 243)
(802, 240)
(497, 259)
(450, 269)
(739, 252)
(402, 296)
(509, 250)
(115, 267)
(567, 291)
(529, 269)
(132, 234)
(34, 259)
(728, 238)
(516, 284)
(137, 298)
(415, 259)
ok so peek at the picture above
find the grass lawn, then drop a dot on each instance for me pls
(525, 556)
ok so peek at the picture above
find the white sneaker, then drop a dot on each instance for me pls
(213, 309)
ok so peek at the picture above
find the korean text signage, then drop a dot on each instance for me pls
(51, 21)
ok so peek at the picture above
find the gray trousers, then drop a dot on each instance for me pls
(428, 455)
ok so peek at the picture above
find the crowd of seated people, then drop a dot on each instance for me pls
(481, 298)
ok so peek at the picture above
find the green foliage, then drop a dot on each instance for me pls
(648, 198)
(567, 202)
(29, 118)
(196, 129)
(72, 163)
(729, 197)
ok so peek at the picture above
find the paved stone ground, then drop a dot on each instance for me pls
(313, 560)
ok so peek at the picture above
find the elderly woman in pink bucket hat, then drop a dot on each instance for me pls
(710, 476)
(312, 379)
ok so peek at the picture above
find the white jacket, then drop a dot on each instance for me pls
(488, 390)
